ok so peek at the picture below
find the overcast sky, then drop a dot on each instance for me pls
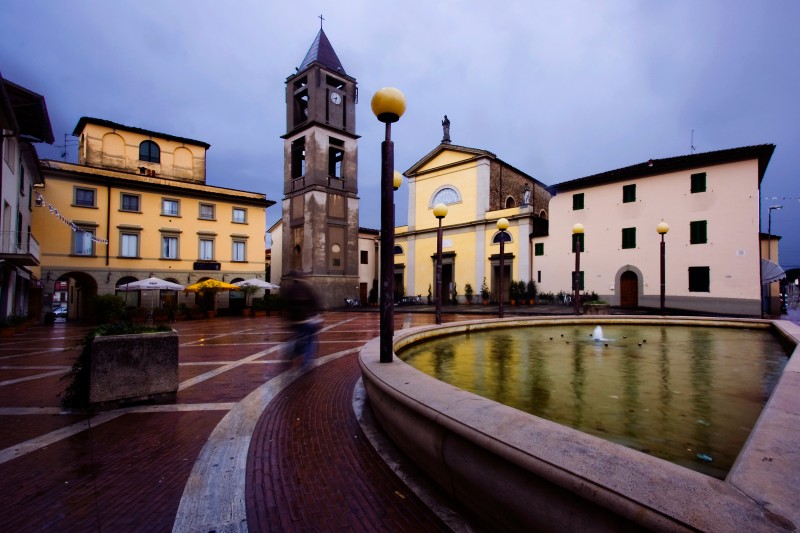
(560, 90)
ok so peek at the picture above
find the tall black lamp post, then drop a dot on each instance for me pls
(502, 225)
(662, 230)
(439, 211)
(388, 104)
(769, 230)
(577, 230)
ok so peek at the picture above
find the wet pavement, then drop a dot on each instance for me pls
(251, 441)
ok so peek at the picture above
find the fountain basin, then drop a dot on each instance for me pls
(519, 471)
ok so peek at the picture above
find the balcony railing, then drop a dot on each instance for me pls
(22, 248)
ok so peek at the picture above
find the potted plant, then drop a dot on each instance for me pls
(468, 293)
(454, 294)
(484, 292)
(513, 292)
(248, 291)
(530, 289)
(430, 295)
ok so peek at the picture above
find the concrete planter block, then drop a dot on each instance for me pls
(597, 309)
(134, 367)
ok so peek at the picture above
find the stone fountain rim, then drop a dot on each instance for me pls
(643, 488)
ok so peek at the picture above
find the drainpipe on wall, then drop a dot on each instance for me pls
(108, 219)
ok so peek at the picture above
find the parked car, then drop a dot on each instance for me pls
(61, 312)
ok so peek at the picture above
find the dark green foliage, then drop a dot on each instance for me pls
(530, 289)
(108, 309)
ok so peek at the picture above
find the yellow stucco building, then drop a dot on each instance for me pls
(478, 189)
(137, 205)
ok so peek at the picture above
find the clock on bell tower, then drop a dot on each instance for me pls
(320, 184)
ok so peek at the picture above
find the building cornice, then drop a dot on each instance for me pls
(135, 181)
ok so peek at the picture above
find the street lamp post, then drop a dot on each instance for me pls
(577, 229)
(439, 211)
(662, 230)
(769, 230)
(388, 104)
(502, 225)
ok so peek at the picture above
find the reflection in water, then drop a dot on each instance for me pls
(578, 382)
(680, 393)
(701, 364)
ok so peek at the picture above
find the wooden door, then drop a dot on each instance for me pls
(629, 289)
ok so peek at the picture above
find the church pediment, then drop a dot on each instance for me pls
(446, 155)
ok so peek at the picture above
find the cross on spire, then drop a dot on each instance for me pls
(321, 18)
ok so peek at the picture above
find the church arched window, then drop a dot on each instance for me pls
(445, 195)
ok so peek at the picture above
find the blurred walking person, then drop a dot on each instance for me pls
(303, 312)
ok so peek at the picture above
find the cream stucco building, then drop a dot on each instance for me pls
(711, 203)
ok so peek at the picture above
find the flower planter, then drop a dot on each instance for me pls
(597, 309)
(136, 367)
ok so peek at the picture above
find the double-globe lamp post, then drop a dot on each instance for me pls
(388, 104)
(577, 230)
(662, 230)
(439, 211)
(502, 225)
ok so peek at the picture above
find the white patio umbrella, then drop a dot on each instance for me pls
(255, 282)
(150, 284)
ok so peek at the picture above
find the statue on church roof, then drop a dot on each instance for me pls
(526, 196)
(446, 130)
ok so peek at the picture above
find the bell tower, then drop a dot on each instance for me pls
(320, 175)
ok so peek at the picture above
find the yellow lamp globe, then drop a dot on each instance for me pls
(502, 224)
(577, 229)
(662, 228)
(440, 211)
(388, 104)
(397, 180)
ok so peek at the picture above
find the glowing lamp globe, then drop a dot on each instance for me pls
(388, 104)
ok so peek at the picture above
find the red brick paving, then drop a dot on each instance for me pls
(310, 467)
(19, 428)
(125, 475)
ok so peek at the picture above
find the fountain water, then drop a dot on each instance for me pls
(597, 336)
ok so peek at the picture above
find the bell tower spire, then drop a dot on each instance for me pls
(320, 185)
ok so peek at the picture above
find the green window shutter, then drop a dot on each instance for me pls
(698, 182)
(698, 232)
(577, 201)
(628, 237)
(699, 279)
(629, 193)
(538, 248)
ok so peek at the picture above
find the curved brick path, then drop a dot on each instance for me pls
(311, 467)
